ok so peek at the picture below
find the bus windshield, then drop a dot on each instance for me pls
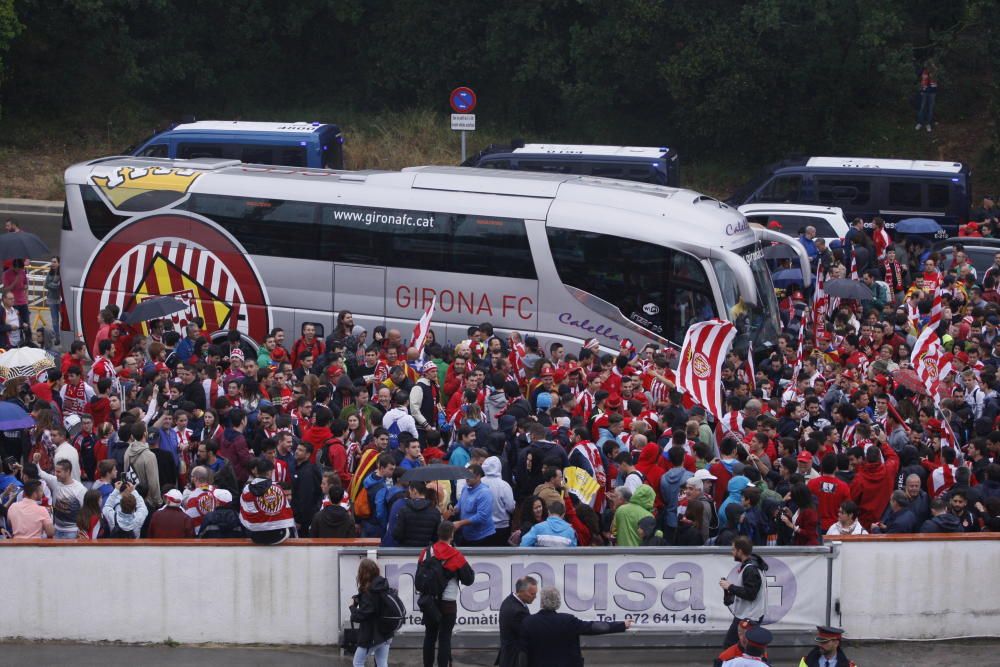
(759, 323)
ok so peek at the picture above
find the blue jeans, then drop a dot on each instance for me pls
(380, 651)
(54, 319)
(926, 114)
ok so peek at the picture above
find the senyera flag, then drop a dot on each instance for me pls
(422, 327)
(703, 354)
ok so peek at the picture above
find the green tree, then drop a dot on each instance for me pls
(9, 29)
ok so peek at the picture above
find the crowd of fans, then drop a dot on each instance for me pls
(160, 432)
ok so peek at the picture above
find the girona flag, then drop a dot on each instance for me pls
(423, 326)
(926, 360)
(699, 372)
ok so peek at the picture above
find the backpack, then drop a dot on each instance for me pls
(392, 613)
(114, 531)
(394, 435)
(430, 578)
(364, 503)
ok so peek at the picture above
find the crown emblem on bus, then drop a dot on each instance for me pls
(127, 183)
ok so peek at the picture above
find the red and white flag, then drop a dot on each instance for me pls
(516, 357)
(422, 327)
(751, 371)
(936, 308)
(854, 264)
(791, 393)
(926, 360)
(703, 354)
(820, 306)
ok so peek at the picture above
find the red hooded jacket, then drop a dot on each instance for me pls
(649, 465)
(873, 485)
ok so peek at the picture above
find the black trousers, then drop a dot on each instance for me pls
(439, 633)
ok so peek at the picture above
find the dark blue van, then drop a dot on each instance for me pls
(868, 187)
(319, 145)
(659, 166)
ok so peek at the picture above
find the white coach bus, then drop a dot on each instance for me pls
(566, 258)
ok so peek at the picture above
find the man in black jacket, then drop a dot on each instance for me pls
(513, 611)
(418, 519)
(306, 492)
(333, 520)
(550, 638)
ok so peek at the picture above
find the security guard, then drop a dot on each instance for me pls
(757, 639)
(736, 650)
(827, 652)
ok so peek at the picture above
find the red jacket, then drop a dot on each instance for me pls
(873, 486)
(336, 456)
(236, 452)
(170, 523)
(649, 465)
(301, 346)
(830, 492)
(318, 436)
(723, 475)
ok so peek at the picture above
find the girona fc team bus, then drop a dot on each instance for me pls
(563, 257)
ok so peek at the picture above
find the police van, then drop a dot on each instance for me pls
(659, 166)
(868, 187)
(318, 145)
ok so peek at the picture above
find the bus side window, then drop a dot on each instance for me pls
(156, 150)
(781, 189)
(905, 194)
(938, 196)
(496, 164)
(546, 166)
(99, 216)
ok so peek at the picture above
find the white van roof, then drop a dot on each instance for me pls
(298, 127)
(584, 149)
(882, 163)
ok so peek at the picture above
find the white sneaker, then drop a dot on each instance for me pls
(918, 127)
(928, 128)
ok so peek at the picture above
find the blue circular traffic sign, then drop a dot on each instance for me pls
(462, 100)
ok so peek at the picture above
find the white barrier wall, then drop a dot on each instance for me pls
(919, 589)
(290, 594)
(196, 594)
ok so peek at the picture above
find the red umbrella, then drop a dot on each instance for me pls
(907, 377)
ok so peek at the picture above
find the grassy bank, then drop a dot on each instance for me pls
(34, 154)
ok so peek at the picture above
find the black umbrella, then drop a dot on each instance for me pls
(848, 289)
(154, 308)
(435, 472)
(21, 245)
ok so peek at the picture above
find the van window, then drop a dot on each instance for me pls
(256, 155)
(155, 150)
(496, 164)
(547, 166)
(270, 227)
(843, 191)
(191, 151)
(904, 194)
(938, 197)
(782, 189)
(660, 289)
(475, 244)
(292, 156)
(794, 225)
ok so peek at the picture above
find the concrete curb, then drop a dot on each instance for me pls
(31, 207)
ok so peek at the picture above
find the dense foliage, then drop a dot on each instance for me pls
(744, 76)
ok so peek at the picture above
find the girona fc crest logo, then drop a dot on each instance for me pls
(178, 255)
(272, 501)
(702, 369)
(930, 362)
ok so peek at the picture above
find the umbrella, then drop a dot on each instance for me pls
(917, 226)
(787, 277)
(24, 362)
(13, 417)
(154, 308)
(848, 289)
(780, 251)
(18, 245)
(908, 378)
(435, 472)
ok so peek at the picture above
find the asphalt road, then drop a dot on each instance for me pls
(917, 654)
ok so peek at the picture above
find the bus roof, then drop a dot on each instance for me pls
(884, 164)
(667, 214)
(604, 151)
(238, 126)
